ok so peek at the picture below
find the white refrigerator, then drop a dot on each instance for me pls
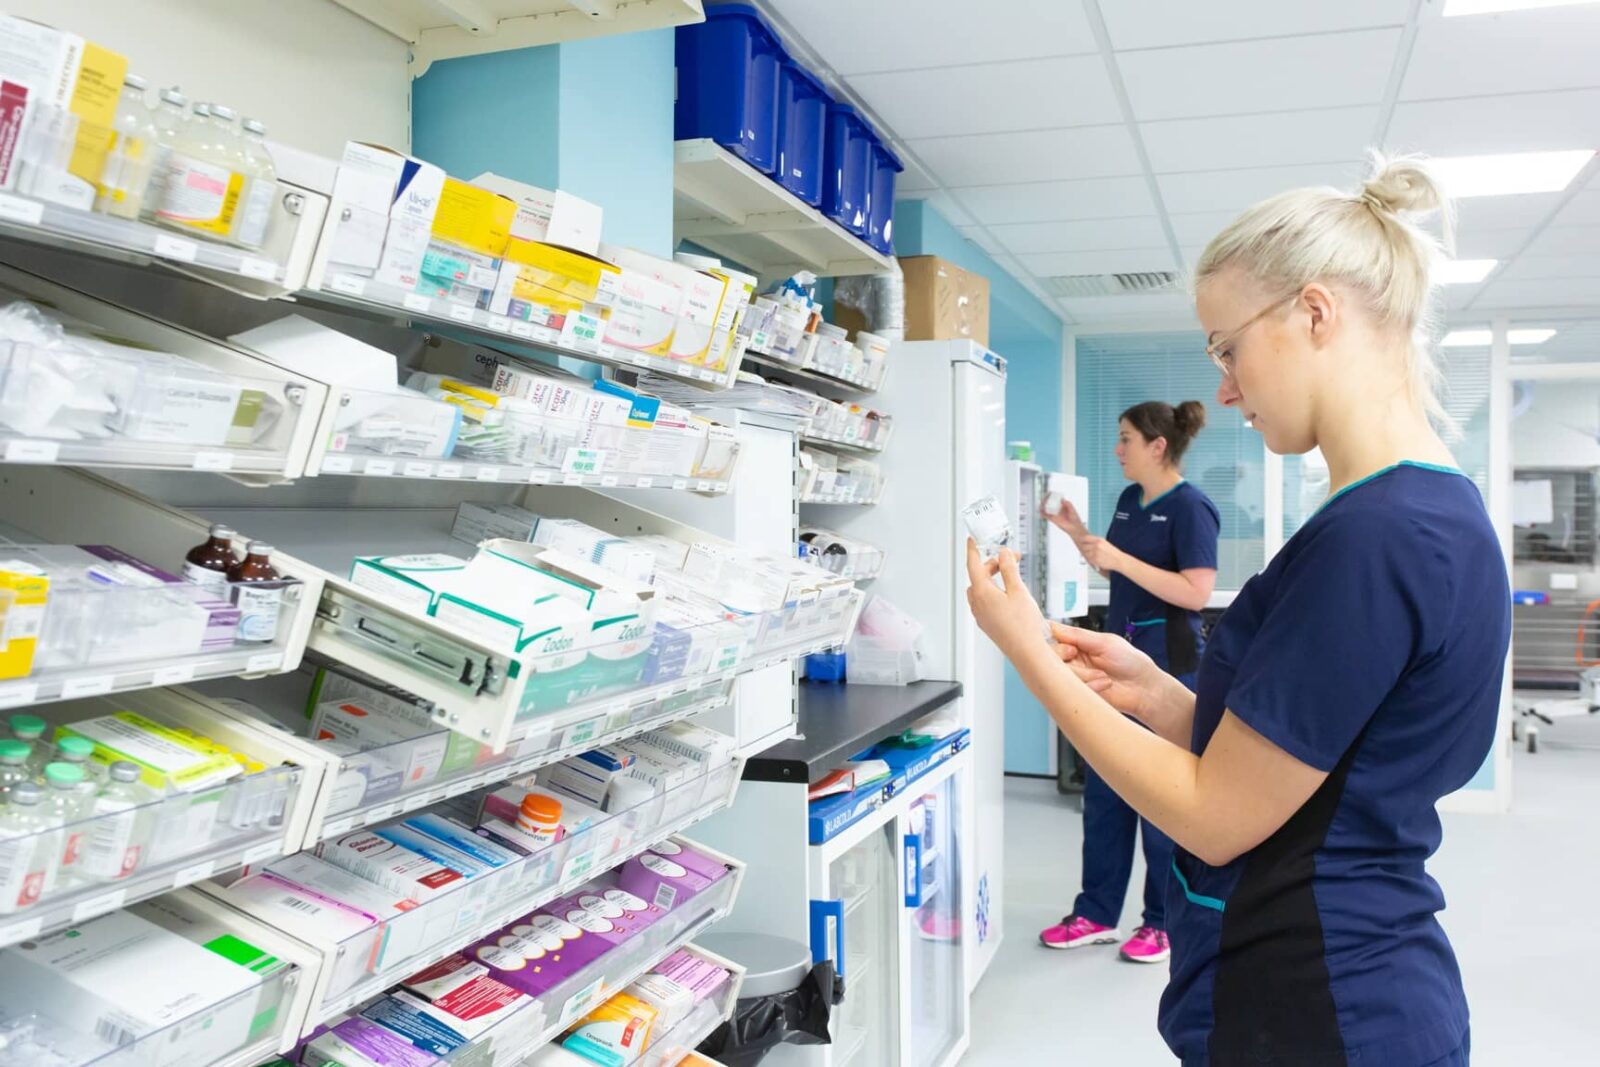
(948, 402)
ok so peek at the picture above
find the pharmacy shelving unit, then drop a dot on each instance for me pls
(841, 443)
(806, 377)
(722, 203)
(581, 336)
(290, 404)
(274, 270)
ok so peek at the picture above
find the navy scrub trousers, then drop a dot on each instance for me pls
(1176, 531)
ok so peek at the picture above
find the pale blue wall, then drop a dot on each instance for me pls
(1029, 335)
(593, 118)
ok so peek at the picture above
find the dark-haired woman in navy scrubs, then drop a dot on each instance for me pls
(1160, 554)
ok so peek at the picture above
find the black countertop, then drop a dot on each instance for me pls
(838, 721)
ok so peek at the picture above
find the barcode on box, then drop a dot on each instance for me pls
(666, 897)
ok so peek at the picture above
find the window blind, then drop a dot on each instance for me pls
(1117, 371)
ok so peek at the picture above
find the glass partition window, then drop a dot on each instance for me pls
(1226, 461)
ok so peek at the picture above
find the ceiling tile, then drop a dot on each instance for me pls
(1522, 52)
(1259, 140)
(1092, 198)
(877, 35)
(1235, 190)
(1457, 297)
(1114, 261)
(1566, 240)
(1158, 23)
(1478, 125)
(913, 179)
(978, 236)
(1255, 76)
(1198, 228)
(1036, 94)
(1049, 155)
(1504, 212)
(1490, 244)
(1582, 210)
(1081, 236)
(1110, 309)
(1537, 268)
(1548, 292)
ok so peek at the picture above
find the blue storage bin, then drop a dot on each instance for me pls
(802, 125)
(880, 197)
(728, 83)
(847, 165)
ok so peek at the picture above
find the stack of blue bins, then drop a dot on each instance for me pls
(738, 87)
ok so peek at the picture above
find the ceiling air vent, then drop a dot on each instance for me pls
(1151, 281)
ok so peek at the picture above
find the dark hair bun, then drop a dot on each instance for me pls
(1190, 417)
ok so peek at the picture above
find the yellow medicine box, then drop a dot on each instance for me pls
(24, 590)
(473, 218)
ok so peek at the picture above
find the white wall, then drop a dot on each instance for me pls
(317, 75)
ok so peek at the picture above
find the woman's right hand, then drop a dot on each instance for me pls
(1127, 678)
(1068, 521)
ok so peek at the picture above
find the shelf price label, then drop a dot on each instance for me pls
(18, 694)
(349, 283)
(169, 247)
(267, 661)
(646, 482)
(177, 675)
(213, 461)
(488, 474)
(416, 302)
(20, 209)
(336, 464)
(608, 481)
(88, 909)
(418, 470)
(73, 688)
(262, 269)
(380, 466)
(522, 329)
(32, 451)
(449, 471)
(460, 312)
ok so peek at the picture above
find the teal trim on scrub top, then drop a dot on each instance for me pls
(1147, 622)
(1195, 898)
(1439, 468)
(1146, 507)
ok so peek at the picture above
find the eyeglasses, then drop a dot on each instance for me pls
(1224, 361)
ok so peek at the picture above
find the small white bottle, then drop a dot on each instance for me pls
(169, 119)
(261, 190)
(126, 174)
(13, 766)
(118, 839)
(30, 849)
(64, 801)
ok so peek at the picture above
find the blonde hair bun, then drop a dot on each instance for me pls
(1403, 185)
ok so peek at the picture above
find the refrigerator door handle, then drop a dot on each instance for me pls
(913, 860)
(821, 912)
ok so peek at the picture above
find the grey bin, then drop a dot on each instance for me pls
(785, 999)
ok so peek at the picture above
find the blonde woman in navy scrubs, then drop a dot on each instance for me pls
(1160, 554)
(1350, 685)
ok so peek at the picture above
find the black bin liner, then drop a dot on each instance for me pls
(798, 1016)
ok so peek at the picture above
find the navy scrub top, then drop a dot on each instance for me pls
(1175, 531)
(1371, 647)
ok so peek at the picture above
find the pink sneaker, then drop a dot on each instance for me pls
(1147, 945)
(1075, 932)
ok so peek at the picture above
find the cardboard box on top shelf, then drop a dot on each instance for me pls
(944, 302)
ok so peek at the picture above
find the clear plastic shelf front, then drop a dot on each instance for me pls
(112, 801)
(387, 755)
(84, 997)
(86, 383)
(384, 902)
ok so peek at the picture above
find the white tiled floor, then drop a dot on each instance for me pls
(1520, 916)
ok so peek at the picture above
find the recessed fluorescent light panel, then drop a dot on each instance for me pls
(1484, 338)
(1453, 8)
(1517, 172)
(1464, 271)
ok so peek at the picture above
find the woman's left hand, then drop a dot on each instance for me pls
(1009, 616)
